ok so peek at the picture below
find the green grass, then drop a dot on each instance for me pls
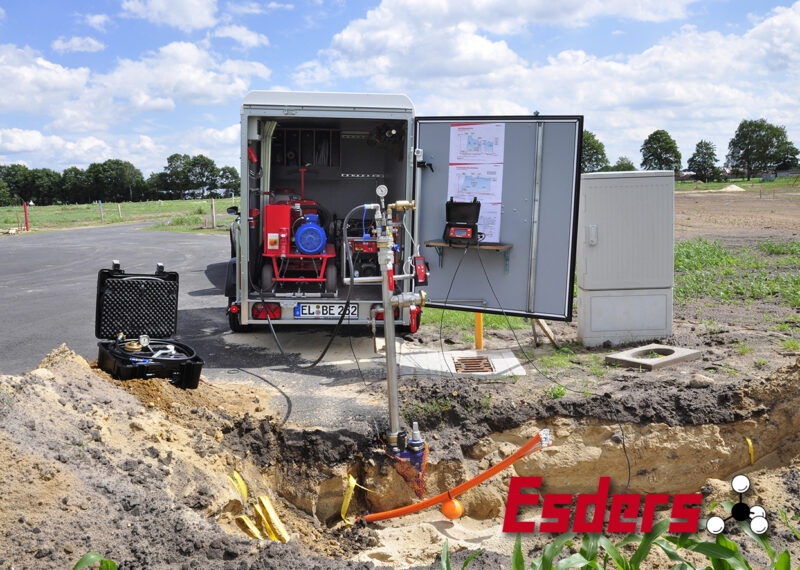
(555, 391)
(791, 344)
(706, 268)
(465, 321)
(80, 215)
(701, 254)
(434, 408)
(558, 359)
(742, 348)
(754, 184)
(780, 248)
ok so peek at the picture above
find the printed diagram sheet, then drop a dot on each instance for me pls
(476, 171)
(473, 143)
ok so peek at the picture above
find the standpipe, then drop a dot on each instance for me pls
(537, 442)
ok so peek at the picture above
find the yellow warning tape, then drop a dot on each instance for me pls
(239, 486)
(348, 494)
(265, 515)
(750, 448)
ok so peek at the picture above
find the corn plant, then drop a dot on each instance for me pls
(723, 554)
(92, 558)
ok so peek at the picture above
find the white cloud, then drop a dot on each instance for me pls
(186, 15)
(40, 86)
(75, 43)
(85, 149)
(221, 137)
(97, 21)
(696, 84)
(2, 13)
(184, 72)
(245, 37)
(255, 8)
(79, 101)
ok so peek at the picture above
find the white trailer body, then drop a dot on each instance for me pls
(326, 153)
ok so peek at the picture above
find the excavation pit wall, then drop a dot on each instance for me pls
(140, 469)
(314, 466)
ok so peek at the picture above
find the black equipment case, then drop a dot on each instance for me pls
(135, 316)
(462, 222)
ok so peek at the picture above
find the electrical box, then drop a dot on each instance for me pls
(625, 256)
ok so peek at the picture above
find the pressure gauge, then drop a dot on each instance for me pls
(144, 340)
(381, 191)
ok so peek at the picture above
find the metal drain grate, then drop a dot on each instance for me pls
(473, 364)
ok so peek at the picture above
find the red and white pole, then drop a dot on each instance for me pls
(27, 226)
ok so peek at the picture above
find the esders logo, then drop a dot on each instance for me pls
(623, 515)
(755, 515)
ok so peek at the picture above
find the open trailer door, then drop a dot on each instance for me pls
(525, 172)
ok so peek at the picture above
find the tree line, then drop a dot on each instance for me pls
(117, 180)
(757, 146)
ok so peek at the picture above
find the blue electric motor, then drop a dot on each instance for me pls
(310, 237)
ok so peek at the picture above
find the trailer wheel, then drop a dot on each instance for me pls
(267, 274)
(330, 278)
(233, 321)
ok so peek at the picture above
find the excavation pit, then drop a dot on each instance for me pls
(147, 478)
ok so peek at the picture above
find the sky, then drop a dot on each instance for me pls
(89, 80)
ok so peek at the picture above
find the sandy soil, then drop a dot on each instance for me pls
(138, 470)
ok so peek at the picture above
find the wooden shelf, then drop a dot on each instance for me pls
(439, 245)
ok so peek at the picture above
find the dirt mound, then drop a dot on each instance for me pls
(89, 464)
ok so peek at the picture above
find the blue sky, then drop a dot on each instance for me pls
(141, 79)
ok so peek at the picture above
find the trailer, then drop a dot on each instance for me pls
(308, 244)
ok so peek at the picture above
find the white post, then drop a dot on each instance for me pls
(213, 214)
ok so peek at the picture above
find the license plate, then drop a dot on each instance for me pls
(314, 311)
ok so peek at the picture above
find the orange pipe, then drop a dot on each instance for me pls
(543, 437)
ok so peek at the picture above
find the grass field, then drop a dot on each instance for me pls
(81, 215)
(754, 184)
(708, 269)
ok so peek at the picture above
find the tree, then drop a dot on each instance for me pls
(704, 161)
(74, 186)
(177, 174)
(6, 197)
(18, 179)
(593, 158)
(758, 146)
(228, 180)
(203, 174)
(45, 185)
(115, 181)
(623, 164)
(660, 152)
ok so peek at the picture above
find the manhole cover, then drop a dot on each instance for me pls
(473, 364)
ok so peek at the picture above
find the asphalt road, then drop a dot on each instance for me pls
(48, 287)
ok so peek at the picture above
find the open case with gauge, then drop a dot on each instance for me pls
(136, 316)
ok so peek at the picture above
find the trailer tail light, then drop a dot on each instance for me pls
(272, 309)
(234, 309)
(379, 312)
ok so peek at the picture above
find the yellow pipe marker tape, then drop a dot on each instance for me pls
(265, 515)
(750, 448)
(348, 494)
